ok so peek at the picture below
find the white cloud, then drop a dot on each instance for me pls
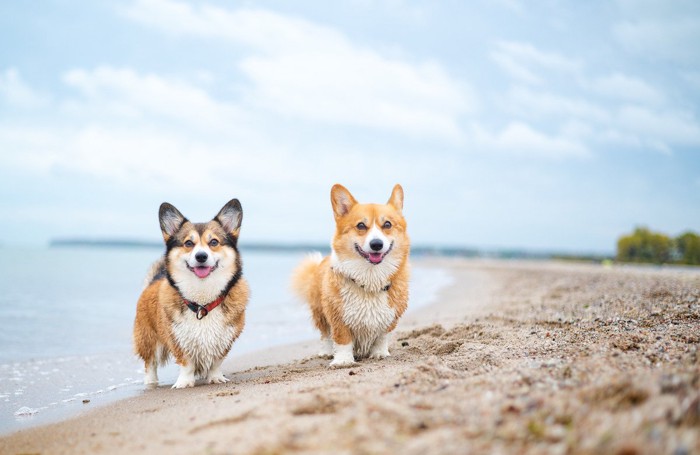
(260, 29)
(577, 130)
(514, 68)
(520, 139)
(622, 87)
(405, 9)
(17, 93)
(543, 103)
(140, 129)
(660, 29)
(609, 122)
(304, 70)
(126, 93)
(151, 157)
(359, 89)
(513, 6)
(575, 112)
(660, 128)
(692, 78)
(155, 132)
(33, 148)
(666, 40)
(523, 60)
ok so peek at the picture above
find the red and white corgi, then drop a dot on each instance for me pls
(359, 292)
(193, 306)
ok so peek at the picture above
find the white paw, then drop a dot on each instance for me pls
(342, 363)
(326, 351)
(379, 354)
(380, 348)
(183, 383)
(342, 356)
(185, 379)
(151, 377)
(216, 379)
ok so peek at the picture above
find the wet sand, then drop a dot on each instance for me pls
(515, 357)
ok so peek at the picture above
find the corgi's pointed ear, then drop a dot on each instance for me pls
(342, 200)
(170, 220)
(396, 198)
(231, 216)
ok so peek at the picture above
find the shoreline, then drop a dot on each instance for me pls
(53, 389)
(513, 355)
(233, 364)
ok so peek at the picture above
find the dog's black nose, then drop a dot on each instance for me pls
(201, 256)
(376, 244)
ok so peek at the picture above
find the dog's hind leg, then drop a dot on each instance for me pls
(146, 347)
(151, 372)
(326, 350)
(321, 323)
(161, 355)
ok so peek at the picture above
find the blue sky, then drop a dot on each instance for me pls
(539, 125)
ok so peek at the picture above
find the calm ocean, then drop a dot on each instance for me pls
(67, 315)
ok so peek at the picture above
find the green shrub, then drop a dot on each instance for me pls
(644, 245)
(688, 248)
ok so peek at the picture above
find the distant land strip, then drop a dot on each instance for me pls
(417, 250)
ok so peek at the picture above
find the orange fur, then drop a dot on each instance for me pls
(164, 325)
(332, 294)
(160, 306)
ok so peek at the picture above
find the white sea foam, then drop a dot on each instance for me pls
(25, 411)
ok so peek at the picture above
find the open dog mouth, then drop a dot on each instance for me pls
(373, 257)
(203, 271)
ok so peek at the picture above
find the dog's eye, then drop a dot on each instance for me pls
(387, 225)
(362, 226)
(213, 242)
(189, 243)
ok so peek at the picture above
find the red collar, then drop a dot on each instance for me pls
(203, 310)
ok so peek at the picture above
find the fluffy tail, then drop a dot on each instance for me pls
(156, 271)
(303, 276)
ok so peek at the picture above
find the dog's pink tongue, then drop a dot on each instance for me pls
(202, 272)
(375, 258)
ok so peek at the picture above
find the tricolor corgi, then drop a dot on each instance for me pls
(359, 292)
(193, 306)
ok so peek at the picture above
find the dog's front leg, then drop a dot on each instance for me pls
(342, 347)
(380, 348)
(186, 377)
(215, 376)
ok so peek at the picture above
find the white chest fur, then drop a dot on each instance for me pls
(367, 314)
(204, 341)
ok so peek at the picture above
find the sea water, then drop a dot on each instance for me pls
(66, 317)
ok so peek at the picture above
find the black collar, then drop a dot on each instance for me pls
(384, 289)
(202, 310)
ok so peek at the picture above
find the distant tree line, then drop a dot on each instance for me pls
(644, 245)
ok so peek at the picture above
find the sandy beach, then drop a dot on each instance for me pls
(535, 357)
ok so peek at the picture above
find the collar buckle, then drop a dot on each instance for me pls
(201, 312)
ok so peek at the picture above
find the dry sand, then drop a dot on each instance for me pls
(515, 357)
